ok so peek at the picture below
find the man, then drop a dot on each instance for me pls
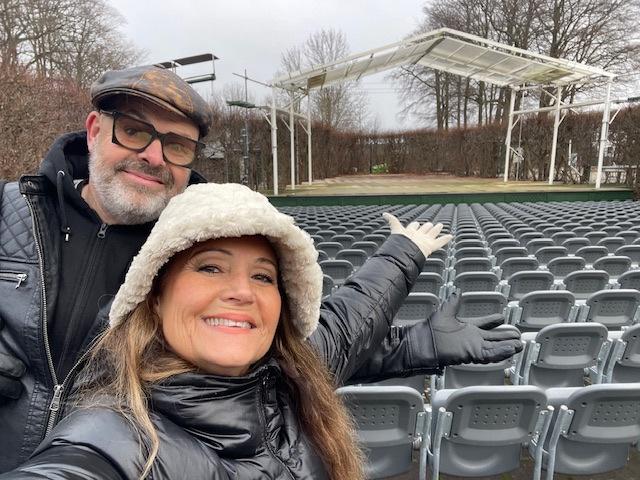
(67, 236)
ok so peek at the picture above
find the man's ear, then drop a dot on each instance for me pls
(92, 124)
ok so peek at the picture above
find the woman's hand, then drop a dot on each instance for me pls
(425, 236)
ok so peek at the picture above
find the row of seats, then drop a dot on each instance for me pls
(481, 431)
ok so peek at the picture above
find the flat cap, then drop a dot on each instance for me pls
(158, 85)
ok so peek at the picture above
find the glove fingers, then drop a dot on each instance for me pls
(413, 227)
(489, 322)
(10, 388)
(394, 224)
(425, 227)
(438, 243)
(11, 366)
(501, 351)
(435, 231)
(496, 335)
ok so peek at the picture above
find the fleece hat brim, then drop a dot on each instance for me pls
(207, 211)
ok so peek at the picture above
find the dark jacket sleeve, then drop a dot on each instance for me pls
(355, 319)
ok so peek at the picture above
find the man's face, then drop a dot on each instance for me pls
(126, 187)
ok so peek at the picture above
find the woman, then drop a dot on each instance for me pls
(206, 370)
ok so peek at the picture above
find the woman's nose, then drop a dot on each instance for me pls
(239, 290)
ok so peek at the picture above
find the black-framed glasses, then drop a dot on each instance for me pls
(136, 135)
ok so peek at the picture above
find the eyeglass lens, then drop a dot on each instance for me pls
(138, 135)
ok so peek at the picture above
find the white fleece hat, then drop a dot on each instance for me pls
(207, 211)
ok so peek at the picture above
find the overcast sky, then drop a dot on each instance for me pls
(252, 35)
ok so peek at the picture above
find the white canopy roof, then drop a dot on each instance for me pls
(454, 52)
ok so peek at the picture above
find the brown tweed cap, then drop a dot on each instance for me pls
(158, 85)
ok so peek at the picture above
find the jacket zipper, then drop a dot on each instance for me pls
(43, 314)
(96, 249)
(17, 277)
(263, 395)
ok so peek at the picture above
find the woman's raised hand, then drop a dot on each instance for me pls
(425, 236)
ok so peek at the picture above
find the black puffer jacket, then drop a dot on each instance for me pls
(235, 427)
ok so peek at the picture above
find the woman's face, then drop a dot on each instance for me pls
(219, 303)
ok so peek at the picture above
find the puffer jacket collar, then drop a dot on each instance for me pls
(222, 412)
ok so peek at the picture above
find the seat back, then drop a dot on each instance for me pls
(343, 239)
(480, 304)
(416, 308)
(468, 252)
(368, 247)
(433, 265)
(585, 282)
(546, 254)
(522, 283)
(573, 244)
(428, 283)
(488, 426)
(605, 422)
(386, 419)
(627, 366)
(613, 308)
(476, 282)
(472, 264)
(374, 237)
(613, 265)
(517, 264)
(612, 243)
(537, 243)
(562, 266)
(592, 253)
(330, 248)
(631, 251)
(509, 252)
(543, 308)
(338, 270)
(356, 257)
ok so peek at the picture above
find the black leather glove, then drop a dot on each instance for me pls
(456, 342)
(11, 369)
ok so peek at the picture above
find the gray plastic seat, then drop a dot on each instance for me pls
(476, 282)
(322, 255)
(630, 279)
(369, 247)
(469, 252)
(527, 281)
(356, 257)
(585, 282)
(546, 254)
(560, 237)
(325, 234)
(338, 270)
(330, 248)
(595, 237)
(537, 243)
(517, 264)
(573, 244)
(623, 362)
(480, 430)
(468, 243)
(614, 265)
(509, 252)
(356, 233)
(612, 243)
(503, 242)
(631, 251)
(416, 308)
(390, 424)
(613, 308)
(327, 285)
(374, 237)
(558, 355)
(592, 253)
(592, 429)
(433, 265)
(539, 309)
(480, 304)
(428, 283)
(470, 264)
(562, 266)
(628, 235)
(343, 239)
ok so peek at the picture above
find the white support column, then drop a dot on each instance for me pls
(507, 142)
(292, 136)
(604, 133)
(554, 144)
(309, 164)
(274, 141)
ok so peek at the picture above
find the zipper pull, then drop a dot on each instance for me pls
(21, 278)
(103, 230)
(55, 401)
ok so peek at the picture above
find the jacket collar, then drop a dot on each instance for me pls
(223, 412)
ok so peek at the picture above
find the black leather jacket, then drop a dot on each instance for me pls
(236, 427)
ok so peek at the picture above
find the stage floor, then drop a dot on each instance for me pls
(426, 184)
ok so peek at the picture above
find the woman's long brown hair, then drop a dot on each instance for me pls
(130, 357)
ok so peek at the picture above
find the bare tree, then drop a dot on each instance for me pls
(338, 106)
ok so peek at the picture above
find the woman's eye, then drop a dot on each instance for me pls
(209, 269)
(263, 277)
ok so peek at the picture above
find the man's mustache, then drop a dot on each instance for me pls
(161, 173)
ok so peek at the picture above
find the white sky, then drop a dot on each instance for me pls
(252, 34)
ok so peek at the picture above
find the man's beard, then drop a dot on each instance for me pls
(127, 203)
